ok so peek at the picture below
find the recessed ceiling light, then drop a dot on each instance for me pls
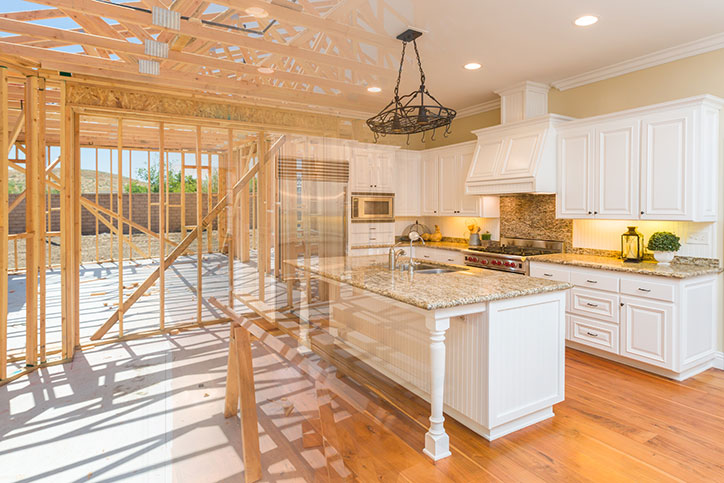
(586, 20)
(374, 89)
(257, 12)
(472, 66)
(265, 70)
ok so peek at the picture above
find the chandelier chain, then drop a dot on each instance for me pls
(419, 63)
(399, 73)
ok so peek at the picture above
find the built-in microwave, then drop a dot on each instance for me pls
(373, 207)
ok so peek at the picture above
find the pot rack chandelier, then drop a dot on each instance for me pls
(415, 112)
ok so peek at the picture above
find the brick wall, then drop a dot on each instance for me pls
(139, 214)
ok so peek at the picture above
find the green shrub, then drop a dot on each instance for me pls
(663, 241)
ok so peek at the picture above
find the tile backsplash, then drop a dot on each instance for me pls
(533, 216)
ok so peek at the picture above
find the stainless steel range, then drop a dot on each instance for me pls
(511, 255)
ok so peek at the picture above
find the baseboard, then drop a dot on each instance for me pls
(719, 360)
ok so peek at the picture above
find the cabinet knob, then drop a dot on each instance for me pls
(589, 212)
(642, 212)
(595, 212)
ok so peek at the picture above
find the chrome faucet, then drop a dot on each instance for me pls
(414, 236)
(394, 254)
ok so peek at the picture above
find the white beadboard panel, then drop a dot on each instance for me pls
(395, 341)
(697, 239)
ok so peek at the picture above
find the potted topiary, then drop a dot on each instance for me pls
(664, 245)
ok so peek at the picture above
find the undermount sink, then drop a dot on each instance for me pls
(426, 268)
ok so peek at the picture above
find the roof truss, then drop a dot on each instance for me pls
(321, 53)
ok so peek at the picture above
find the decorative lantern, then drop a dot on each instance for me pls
(632, 245)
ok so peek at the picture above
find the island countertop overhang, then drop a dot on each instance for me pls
(428, 291)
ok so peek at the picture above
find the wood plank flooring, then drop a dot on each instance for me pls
(617, 423)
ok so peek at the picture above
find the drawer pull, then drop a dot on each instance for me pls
(547, 274)
(450, 259)
(591, 305)
(592, 281)
(592, 334)
(426, 256)
(644, 289)
(373, 239)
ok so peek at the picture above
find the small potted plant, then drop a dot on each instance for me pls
(664, 245)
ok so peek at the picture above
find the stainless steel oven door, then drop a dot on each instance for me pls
(373, 207)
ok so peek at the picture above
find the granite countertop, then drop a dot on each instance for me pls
(429, 291)
(675, 270)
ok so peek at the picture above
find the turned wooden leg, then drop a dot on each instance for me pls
(437, 442)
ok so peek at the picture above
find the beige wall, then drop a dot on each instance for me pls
(701, 74)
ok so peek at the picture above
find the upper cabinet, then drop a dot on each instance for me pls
(654, 163)
(372, 170)
(406, 175)
(443, 183)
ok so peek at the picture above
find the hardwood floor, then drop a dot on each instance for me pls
(617, 423)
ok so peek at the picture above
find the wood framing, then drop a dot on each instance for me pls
(4, 211)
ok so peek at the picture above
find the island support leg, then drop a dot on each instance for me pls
(437, 442)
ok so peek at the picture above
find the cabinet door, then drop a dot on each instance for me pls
(407, 184)
(574, 167)
(384, 172)
(617, 167)
(361, 179)
(667, 151)
(429, 183)
(449, 191)
(469, 205)
(647, 331)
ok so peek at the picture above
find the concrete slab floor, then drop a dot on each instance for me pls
(144, 410)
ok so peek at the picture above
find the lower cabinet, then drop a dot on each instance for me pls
(439, 255)
(664, 325)
(648, 331)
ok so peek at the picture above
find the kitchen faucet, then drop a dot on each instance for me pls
(414, 236)
(393, 254)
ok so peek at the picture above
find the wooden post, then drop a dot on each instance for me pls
(161, 226)
(244, 217)
(199, 228)
(120, 227)
(67, 227)
(41, 150)
(240, 392)
(33, 201)
(183, 194)
(148, 197)
(96, 196)
(77, 226)
(228, 217)
(4, 177)
(261, 207)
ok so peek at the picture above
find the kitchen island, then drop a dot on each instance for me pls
(486, 347)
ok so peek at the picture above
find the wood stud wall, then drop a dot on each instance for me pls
(245, 189)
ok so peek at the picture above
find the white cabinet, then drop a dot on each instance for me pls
(647, 331)
(429, 186)
(660, 324)
(616, 165)
(407, 183)
(440, 255)
(653, 163)
(371, 234)
(667, 154)
(574, 165)
(598, 170)
(372, 170)
(444, 171)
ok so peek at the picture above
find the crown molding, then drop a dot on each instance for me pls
(689, 49)
(478, 108)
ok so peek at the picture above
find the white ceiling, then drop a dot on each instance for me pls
(536, 40)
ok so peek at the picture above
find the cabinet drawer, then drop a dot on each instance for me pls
(372, 228)
(651, 290)
(550, 273)
(450, 256)
(371, 239)
(592, 303)
(595, 334)
(595, 280)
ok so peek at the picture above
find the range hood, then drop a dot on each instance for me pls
(519, 155)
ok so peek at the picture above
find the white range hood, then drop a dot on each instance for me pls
(519, 155)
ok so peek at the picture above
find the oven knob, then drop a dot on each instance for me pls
(509, 264)
(484, 262)
(497, 262)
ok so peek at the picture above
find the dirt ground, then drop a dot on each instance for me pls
(107, 248)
